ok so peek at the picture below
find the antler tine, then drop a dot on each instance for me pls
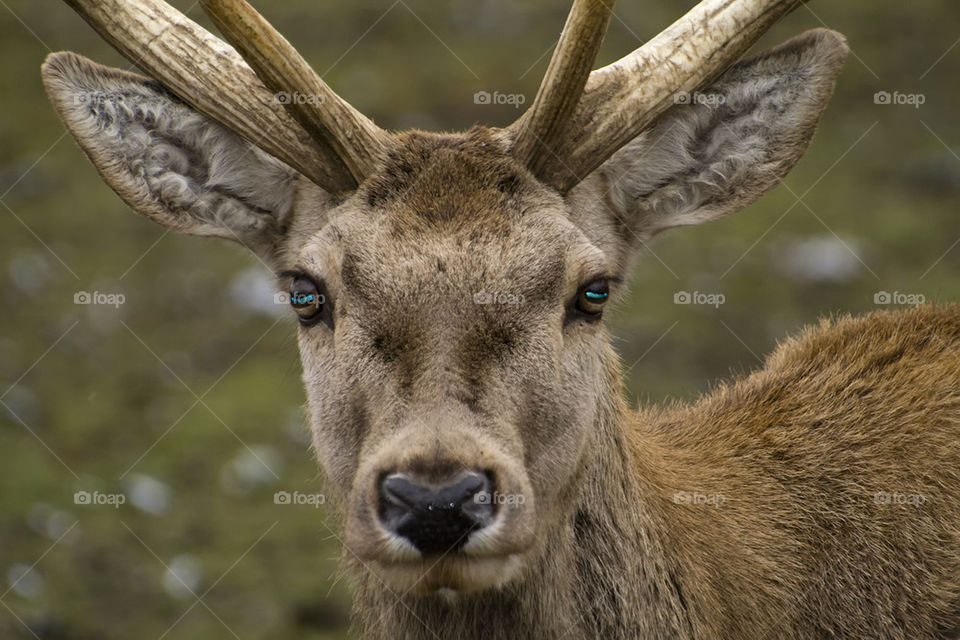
(207, 74)
(328, 118)
(545, 123)
(621, 100)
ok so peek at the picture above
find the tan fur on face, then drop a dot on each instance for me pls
(417, 376)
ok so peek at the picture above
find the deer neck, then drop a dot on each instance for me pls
(600, 572)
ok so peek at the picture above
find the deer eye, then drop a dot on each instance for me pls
(592, 297)
(308, 300)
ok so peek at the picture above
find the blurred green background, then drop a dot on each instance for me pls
(186, 399)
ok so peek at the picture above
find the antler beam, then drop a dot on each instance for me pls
(620, 100)
(210, 76)
(328, 118)
(547, 119)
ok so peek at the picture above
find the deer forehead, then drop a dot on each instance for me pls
(446, 218)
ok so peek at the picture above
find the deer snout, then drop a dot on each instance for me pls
(436, 519)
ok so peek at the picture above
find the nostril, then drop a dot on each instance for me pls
(479, 503)
(436, 519)
(400, 491)
(464, 491)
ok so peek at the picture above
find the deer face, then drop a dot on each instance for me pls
(454, 367)
(450, 302)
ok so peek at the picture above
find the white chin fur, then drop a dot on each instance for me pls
(451, 576)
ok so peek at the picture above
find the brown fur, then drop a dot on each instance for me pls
(854, 409)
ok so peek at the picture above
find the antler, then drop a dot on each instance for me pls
(333, 144)
(620, 100)
(329, 119)
(563, 83)
(576, 122)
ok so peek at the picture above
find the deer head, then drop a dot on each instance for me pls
(450, 289)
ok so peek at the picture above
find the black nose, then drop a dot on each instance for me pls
(436, 519)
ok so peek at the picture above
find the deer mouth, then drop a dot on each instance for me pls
(447, 551)
(451, 575)
(459, 534)
(456, 515)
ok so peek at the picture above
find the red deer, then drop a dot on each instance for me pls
(491, 480)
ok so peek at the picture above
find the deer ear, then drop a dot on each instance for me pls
(720, 149)
(169, 162)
